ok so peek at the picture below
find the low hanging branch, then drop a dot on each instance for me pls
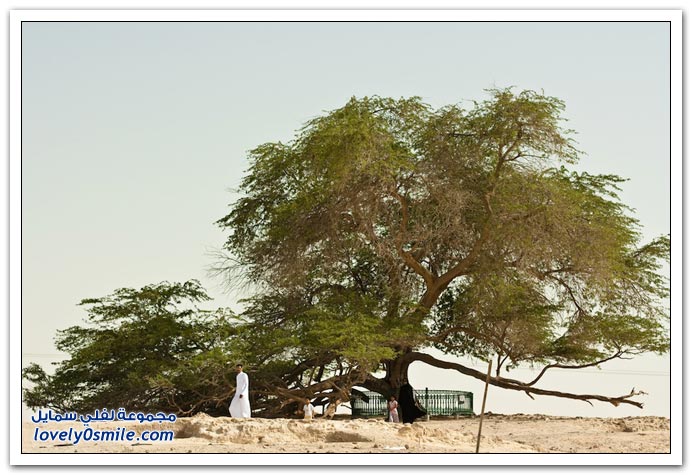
(336, 386)
(525, 387)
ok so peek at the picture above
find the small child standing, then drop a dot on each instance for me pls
(308, 410)
(392, 406)
(331, 409)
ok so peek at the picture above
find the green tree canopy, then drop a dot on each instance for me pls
(399, 227)
(146, 349)
(384, 229)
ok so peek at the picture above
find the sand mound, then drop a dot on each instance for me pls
(639, 424)
(275, 431)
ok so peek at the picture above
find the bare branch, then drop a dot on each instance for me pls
(569, 290)
(518, 386)
(618, 354)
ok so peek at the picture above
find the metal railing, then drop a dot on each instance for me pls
(437, 402)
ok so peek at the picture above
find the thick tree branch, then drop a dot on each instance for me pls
(517, 386)
(336, 384)
(440, 284)
(372, 383)
(408, 258)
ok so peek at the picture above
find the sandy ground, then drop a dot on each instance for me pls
(501, 434)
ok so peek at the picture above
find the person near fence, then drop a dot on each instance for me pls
(393, 406)
(409, 406)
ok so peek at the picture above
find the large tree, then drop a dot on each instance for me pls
(387, 227)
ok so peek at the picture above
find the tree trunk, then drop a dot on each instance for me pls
(397, 374)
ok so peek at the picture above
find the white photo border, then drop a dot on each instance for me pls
(16, 17)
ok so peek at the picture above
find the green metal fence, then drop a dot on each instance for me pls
(437, 402)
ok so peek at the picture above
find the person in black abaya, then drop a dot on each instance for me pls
(408, 406)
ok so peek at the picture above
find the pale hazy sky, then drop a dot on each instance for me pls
(132, 134)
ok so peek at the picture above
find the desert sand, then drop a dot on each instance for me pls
(517, 433)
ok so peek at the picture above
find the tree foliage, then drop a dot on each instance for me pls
(385, 228)
(142, 349)
(461, 229)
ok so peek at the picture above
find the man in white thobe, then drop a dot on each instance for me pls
(240, 405)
